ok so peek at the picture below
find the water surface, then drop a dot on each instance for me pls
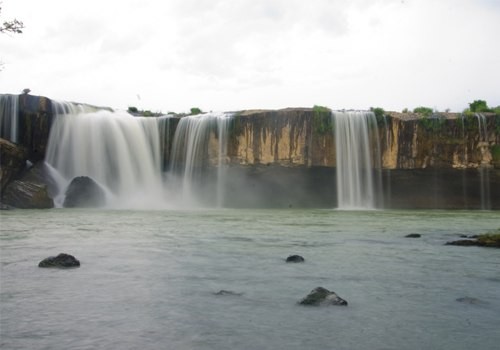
(149, 279)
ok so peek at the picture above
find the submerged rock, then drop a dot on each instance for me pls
(413, 235)
(321, 296)
(295, 259)
(61, 261)
(84, 192)
(491, 240)
(5, 206)
(470, 300)
(464, 242)
(228, 292)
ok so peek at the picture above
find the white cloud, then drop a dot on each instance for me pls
(234, 54)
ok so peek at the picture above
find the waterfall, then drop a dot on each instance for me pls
(484, 171)
(9, 117)
(355, 182)
(222, 135)
(119, 151)
(191, 160)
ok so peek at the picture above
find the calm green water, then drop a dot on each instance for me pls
(148, 280)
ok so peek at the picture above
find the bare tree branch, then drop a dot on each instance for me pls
(13, 26)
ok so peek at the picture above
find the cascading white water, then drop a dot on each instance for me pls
(222, 135)
(9, 117)
(119, 151)
(355, 184)
(484, 172)
(190, 153)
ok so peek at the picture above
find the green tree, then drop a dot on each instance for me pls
(195, 111)
(378, 111)
(479, 106)
(133, 110)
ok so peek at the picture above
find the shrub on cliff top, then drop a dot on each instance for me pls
(425, 111)
(479, 106)
(195, 111)
(133, 110)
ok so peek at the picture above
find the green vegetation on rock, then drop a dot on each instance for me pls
(322, 119)
(432, 124)
(491, 239)
(147, 113)
(495, 153)
(379, 115)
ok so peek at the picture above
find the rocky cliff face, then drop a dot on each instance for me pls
(13, 160)
(35, 120)
(281, 137)
(447, 141)
(290, 137)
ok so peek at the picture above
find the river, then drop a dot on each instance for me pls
(149, 280)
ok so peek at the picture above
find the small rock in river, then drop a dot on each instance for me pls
(322, 296)
(61, 261)
(413, 235)
(469, 300)
(295, 259)
(227, 292)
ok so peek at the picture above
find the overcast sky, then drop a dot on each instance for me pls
(171, 55)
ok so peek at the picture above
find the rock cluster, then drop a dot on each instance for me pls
(491, 240)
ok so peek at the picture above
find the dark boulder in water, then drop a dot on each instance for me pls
(295, 259)
(61, 261)
(413, 235)
(322, 297)
(83, 192)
